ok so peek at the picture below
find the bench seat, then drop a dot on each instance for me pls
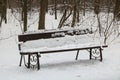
(91, 49)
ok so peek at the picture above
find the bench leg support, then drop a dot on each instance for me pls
(101, 58)
(77, 55)
(38, 63)
(28, 61)
(90, 54)
(20, 60)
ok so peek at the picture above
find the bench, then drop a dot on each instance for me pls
(33, 56)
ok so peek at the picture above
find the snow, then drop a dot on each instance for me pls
(67, 42)
(59, 66)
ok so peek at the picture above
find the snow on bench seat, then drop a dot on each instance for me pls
(62, 48)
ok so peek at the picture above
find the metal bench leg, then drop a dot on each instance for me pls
(38, 64)
(77, 55)
(28, 61)
(20, 60)
(101, 58)
(90, 53)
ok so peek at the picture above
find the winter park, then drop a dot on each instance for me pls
(60, 39)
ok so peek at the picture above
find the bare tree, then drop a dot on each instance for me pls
(66, 15)
(97, 11)
(110, 27)
(84, 7)
(78, 10)
(25, 10)
(55, 5)
(74, 13)
(42, 14)
(117, 10)
(3, 11)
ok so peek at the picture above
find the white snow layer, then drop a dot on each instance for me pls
(59, 66)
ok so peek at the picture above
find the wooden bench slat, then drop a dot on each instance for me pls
(62, 50)
(71, 49)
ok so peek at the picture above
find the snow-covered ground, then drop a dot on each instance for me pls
(59, 66)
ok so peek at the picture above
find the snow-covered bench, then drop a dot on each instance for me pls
(95, 51)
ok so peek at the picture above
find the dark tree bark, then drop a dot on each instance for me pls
(42, 14)
(97, 11)
(97, 6)
(84, 7)
(117, 10)
(62, 19)
(74, 13)
(55, 5)
(47, 5)
(3, 11)
(21, 3)
(25, 10)
(99, 24)
(66, 15)
(78, 10)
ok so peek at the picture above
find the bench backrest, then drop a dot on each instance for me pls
(35, 36)
(28, 37)
(51, 34)
(47, 35)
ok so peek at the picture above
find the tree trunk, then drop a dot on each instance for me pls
(84, 8)
(62, 19)
(65, 16)
(47, 5)
(117, 10)
(55, 5)
(22, 9)
(3, 11)
(99, 24)
(42, 14)
(25, 15)
(74, 14)
(78, 11)
(97, 6)
(97, 11)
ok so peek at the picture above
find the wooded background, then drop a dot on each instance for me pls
(66, 7)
